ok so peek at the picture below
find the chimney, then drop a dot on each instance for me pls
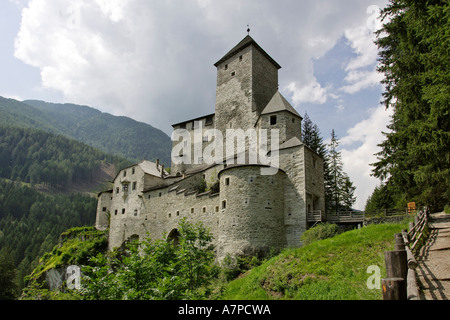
(162, 171)
(157, 164)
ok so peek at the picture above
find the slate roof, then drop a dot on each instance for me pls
(247, 41)
(279, 103)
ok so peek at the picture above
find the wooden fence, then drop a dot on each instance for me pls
(339, 217)
(401, 264)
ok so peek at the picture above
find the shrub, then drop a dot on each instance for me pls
(319, 232)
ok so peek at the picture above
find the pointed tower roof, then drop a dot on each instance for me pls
(279, 103)
(247, 41)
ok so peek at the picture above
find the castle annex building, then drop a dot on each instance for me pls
(247, 211)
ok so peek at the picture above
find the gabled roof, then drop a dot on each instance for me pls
(247, 41)
(150, 168)
(279, 103)
(147, 166)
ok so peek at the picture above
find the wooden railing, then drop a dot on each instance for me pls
(401, 264)
(340, 216)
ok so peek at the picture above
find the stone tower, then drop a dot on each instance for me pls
(247, 79)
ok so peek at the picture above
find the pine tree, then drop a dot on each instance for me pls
(307, 130)
(414, 50)
(339, 190)
(312, 138)
(8, 272)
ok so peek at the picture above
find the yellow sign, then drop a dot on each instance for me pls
(411, 207)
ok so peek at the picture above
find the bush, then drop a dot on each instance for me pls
(319, 232)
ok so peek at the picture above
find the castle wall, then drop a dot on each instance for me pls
(159, 210)
(314, 181)
(103, 210)
(234, 92)
(265, 82)
(288, 125)
(252, 218)
(292, 161)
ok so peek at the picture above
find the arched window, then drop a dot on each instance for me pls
(174, 237)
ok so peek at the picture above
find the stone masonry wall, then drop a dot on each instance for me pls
(251, 217)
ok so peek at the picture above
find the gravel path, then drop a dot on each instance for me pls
(433, 269)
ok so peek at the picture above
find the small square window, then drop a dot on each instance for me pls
(123, 211)
(170, 215)
(227, 181)
(204, 209)
(192, 210)
(273, 120)
(135, 212)
(224, 204)
(240, 58)
(178, 213)
(133, 187)
(133, 170)
(217, 208)
(104, 209)
(226, 67)
(115, 212)
(233, 73)
(125, 173)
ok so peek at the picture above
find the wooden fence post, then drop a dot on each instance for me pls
(396, 264)
(394, 286)
(394, 289)
(399, 242)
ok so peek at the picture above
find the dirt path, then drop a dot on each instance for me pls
(433, 269)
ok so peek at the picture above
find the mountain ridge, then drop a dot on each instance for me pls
(117, 135)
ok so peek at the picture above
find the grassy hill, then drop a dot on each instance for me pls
(115, 135)
(330, 269)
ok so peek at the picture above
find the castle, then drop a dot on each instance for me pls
(250, 202)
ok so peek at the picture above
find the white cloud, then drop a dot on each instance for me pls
(361, 71)
(312, 92)
(153, 61)
(368, 134)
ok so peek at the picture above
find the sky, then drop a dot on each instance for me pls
(153, 61)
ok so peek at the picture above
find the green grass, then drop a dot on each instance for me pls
(330, 269)
(72, 251)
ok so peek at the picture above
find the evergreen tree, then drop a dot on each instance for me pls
(8, 288)
(339, 190)
(312, 138)
(307, 130)
(414, 50)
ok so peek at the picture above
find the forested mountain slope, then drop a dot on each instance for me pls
(115, 135)
(38, 157)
